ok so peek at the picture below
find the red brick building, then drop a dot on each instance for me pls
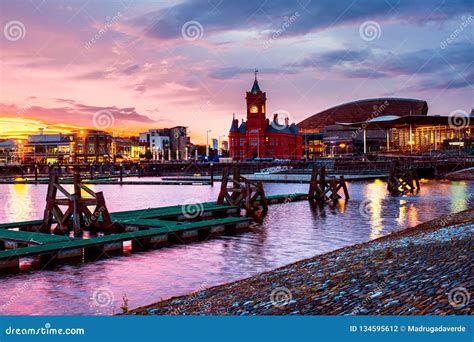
(258, 137)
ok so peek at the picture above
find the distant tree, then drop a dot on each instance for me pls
(148, 155)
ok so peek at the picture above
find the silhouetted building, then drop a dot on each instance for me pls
(225, 145)
(215, 144)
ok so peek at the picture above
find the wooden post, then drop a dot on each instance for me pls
(247, 194)
(77, 208)
(222, 193)
(50, 196)
(322, 189)
(344, 187)
(401, 181)
(417, 182)
(77, 218)
(211, 165)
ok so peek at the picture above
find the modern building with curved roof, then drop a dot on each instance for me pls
(363, 110)
(383, 125)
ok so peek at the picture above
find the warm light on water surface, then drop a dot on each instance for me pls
(290, 232)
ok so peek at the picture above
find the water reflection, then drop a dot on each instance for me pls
(376, 192)
(458, 197)
(290, 232)
(18, 203)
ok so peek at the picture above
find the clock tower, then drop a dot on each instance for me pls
(256, 107)
(259, 138)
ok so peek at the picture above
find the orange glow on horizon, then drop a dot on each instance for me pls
(20, 128)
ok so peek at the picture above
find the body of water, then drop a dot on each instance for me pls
(290, 232)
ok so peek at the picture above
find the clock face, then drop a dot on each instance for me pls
(253, 109)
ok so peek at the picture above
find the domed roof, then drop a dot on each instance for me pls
(367, 109)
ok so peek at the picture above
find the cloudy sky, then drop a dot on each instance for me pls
(126, 65)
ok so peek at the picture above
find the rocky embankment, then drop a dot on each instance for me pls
(464, 174)
(418, 271)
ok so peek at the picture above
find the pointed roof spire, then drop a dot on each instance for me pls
(255, 87)
(235, 124)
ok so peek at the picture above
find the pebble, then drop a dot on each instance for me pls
(427, 263)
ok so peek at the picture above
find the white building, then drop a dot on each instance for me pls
(159, 144)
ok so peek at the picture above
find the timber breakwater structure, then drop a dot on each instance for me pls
(80, 228)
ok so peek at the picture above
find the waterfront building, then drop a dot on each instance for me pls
(215, 144)
(92, 146)
(8, 152)
(179, 141)
(127, 149)
(381, 125)
(419, 133)
(258, 137)
(47, 148)
(167, 143)
(225, 146)
(157, 144)
(84, 146)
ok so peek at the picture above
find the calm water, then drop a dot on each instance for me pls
(289, 233)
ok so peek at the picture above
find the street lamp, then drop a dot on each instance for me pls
(207, 143)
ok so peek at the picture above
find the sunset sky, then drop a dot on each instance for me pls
(150, 64)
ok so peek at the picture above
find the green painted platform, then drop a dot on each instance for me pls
(102, 240)
(144, 227)
(20, 224)
(31, 237)
(166, 212)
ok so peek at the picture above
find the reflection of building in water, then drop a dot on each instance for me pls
(375, 192)
(407, 214)
(459, 199)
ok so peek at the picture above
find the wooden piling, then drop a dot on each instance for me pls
(402, 180)
(323, 188)
(240, 191)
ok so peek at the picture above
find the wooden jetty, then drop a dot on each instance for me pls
(144, 228)
(59, 236)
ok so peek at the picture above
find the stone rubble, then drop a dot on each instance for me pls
(424, 270)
